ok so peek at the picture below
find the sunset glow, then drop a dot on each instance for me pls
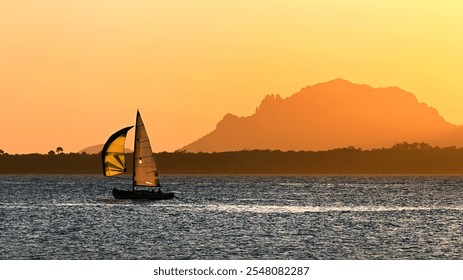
(73, 72)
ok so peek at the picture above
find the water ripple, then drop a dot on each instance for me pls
(234, 217)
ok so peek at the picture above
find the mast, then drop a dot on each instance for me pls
(134, 150)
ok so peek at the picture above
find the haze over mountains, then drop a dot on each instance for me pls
(332, 115)
(97, 149)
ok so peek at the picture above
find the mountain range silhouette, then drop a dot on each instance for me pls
(332, 115)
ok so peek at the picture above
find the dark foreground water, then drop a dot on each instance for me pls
(233, 217)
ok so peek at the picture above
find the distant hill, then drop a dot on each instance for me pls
(97, 149)
(331, 115)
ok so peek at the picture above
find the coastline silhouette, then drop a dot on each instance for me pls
(403, 158)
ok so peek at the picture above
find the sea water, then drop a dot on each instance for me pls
(233, 217)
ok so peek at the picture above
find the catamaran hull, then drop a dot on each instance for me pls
(141, 194)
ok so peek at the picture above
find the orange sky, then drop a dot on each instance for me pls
(73, 72)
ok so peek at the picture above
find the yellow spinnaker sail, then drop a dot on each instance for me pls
(113, 153)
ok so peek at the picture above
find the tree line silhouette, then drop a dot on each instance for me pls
(403, 158)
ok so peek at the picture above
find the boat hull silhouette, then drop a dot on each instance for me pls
(142, 194)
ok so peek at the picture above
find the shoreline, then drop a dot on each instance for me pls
(347, 161)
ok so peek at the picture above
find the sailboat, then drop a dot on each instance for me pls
(145, 174)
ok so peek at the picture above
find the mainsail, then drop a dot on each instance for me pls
(113, 153)
(144, 172)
